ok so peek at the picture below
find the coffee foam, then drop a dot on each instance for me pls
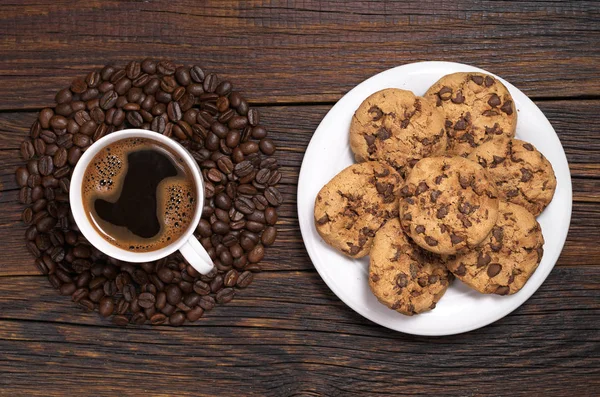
(105, 172)
(176, 196)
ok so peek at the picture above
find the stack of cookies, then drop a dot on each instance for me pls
(441, 188)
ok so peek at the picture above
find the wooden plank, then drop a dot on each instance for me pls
(311, 50)
(288, 253)
(291, 127)
(290, 336)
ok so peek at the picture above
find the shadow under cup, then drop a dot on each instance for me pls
(153, 159)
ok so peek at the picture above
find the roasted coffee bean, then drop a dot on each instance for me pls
(249, 147)
(129, 292)
(176, 319)
(27, 150)
(201, 288)
(146, 300)
(269, 235)
(230, 278)
(273, 196)
(120, 320)
(255, 227)
(149, 66)
(118, 75)
(207, 302)
(174, 111)
(266, 146)
(106, 306)
(63, 96)
(174, 294)
(22, 176)
(109, 99)
(45, 165)
(60, 157)
(259, 132)
(110, 288)
(237, 122)
(244, 279)
(68, 289)
(73, 155)
(210, 82)
(225, 295)
(257, 254)
(253, 117)
(271, 216)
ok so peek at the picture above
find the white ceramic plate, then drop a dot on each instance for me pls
(461, 309)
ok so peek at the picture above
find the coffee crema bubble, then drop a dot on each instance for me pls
(139, 194)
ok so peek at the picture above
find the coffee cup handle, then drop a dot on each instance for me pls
(195, 254)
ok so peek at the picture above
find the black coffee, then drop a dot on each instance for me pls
(139, 194)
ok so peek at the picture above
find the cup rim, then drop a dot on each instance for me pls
(81, 218)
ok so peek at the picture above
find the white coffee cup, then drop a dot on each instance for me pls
(187, 244)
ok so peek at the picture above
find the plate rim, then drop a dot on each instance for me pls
(304, 230)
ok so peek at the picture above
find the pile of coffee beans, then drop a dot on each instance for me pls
(212, 121)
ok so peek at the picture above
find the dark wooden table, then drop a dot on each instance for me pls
(288, 334)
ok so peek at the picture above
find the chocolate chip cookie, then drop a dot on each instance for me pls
(477, 107)
(448, 204)
(397, 127)
(355, 204)
(402, 275)
(503, 263)
(522, 174)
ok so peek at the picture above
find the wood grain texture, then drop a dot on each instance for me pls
(288, 334)
(281, 51)
(281, 345)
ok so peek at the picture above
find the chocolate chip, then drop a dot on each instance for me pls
(495, 130)
(354, 249)
(489, 81)
(490, 113)
(465, 221)
(528, 146)
(493, 269)
(467, 137)
(459, 98)
(456, 239)
(494, 100)
(407, 216)
(466, 208)
(401, 280)
(502, 290)
(461, 270)
(383, 134)
(375, 113)
(512, 193)
(422, 188)
(434, 195)
(438, 179)
(420, 229)
(431, 241)
(526, 175)
(507, 107)
(385, 172)
(323, 220)
(423, 281)
(375, 278)
(433, 279)
(405, 191)
(370, 139)
(445, 93)
(442, 212)
(464, 181)
(477, 80)
(460, 125)
(498, 233)
(483, 259)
